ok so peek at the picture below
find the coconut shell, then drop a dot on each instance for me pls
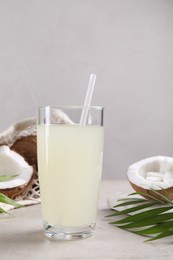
(151, 195)
(20, 129)
(21, 138)
(27, 147)
(18, 191)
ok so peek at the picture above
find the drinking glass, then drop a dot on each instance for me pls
(70, 158)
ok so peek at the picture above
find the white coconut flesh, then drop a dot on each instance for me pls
(152, 173)
(11, 163)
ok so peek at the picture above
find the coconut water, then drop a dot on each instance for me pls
(70, 164)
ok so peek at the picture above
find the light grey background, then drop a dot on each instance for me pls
(48, 48)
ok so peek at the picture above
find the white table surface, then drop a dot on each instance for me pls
(21, 236)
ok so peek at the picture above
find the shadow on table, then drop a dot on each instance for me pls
(104, 212)
(36, 236)
(24, 237)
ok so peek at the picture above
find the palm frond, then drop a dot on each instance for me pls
(4, 199)
(147, 217)
(7, 177)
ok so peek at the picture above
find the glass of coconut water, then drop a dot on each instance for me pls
(70, 155)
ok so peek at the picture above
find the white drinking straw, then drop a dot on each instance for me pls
(88, 98)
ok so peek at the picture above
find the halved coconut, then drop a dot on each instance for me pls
(11, 163)
(26, 146)
(154, 173)
(21, 137)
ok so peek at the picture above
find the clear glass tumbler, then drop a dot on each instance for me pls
(70, 158)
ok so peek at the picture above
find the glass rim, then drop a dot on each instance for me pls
(69, 107)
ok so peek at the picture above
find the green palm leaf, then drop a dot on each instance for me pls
(148, 221)
(161, 227)
(150, 218)
(131, 201)
(7, 177)
(160, 195)
(161, 235)
(4, 199)
(2, 210)
(142, 216)
(130, 210)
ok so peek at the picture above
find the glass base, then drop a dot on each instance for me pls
(68, 233)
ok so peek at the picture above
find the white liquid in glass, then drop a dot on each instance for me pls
(70, 164)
